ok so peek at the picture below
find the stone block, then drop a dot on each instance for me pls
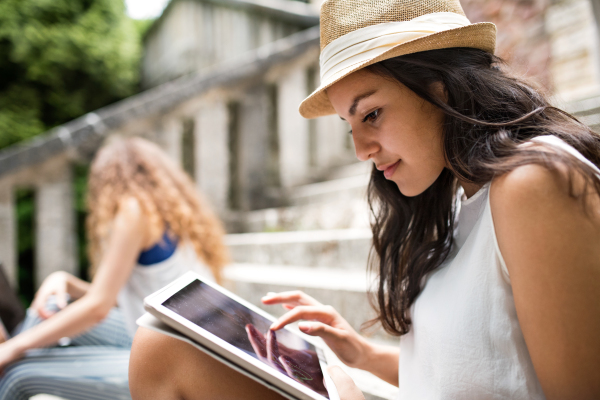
(55, 248)
(8, 233)
(292, 129)
(344, 249)
(212, 153)
(340, 213)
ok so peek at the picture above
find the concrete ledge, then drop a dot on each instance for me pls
(344, 248)
(357, 185)
(238, 239)
(307, 277)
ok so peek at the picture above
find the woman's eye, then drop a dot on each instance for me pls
(372, 116)
(350, 132)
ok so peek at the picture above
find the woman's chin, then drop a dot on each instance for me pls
(409, 190)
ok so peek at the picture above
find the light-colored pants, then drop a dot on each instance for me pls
(94, 366)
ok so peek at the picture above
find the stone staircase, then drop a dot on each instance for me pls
(320, 244)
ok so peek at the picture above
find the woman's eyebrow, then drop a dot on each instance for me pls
(358, 98)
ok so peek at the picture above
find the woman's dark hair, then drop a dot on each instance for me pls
(488, 114)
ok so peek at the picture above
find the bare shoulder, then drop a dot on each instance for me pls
(549, 241)
(130, 216)
(528, 183)
(130, 207)
(530, 191)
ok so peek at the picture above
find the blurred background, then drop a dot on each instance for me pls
(217, 84)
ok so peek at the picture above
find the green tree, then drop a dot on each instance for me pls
(60, 59)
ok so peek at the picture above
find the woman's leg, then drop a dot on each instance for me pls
(95, 366)
(164, 368)
(111, 331)
(76, 373)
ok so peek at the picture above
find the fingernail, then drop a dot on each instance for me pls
(268, 296)
(304, 327)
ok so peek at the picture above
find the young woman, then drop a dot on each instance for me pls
(501, 304)
(146, 226)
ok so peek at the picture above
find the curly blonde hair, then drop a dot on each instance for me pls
(135, 167)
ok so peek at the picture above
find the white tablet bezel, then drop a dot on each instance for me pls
(153, 304)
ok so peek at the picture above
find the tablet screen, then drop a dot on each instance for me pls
(249, 332)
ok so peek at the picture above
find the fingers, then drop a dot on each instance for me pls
(290, 299)
(346, 387)
(62, 299)
(44, 313)
(39, 305)
(328, 333)
(324, 314)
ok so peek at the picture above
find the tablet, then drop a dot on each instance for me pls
(229, 328)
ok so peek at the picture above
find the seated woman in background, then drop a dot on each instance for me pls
(146, 226)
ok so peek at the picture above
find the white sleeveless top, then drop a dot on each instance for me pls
(146, 279)
(466, 341)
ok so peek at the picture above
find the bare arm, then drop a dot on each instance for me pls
(117, 263)
(551, 248)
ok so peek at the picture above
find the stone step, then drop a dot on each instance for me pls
(344, 290)
(349, 214)
(342, 189)
(345, 171)
(336, 248)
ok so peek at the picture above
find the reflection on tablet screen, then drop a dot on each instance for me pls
(249, 332)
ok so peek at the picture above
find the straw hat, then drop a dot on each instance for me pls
(357, 33)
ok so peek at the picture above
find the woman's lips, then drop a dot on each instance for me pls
(389, 171)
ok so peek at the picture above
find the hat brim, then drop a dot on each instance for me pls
(479, 36)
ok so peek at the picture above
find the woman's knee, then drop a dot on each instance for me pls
(151, 365)
(162, 367)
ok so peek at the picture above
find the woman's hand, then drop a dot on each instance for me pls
(56, 284)
(9, 352)
(345, 386)
(323, 321)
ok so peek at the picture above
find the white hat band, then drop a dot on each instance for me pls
(367, 43)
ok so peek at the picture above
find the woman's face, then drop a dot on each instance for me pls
(391, 125)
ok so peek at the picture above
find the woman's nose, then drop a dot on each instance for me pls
(365, 147)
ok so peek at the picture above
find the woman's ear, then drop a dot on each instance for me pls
(438, 90)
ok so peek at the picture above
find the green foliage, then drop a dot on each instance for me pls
(60, 59)
(142, 25)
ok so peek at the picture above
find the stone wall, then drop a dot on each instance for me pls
(522, 40)
(573, 34)
(196, 34)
